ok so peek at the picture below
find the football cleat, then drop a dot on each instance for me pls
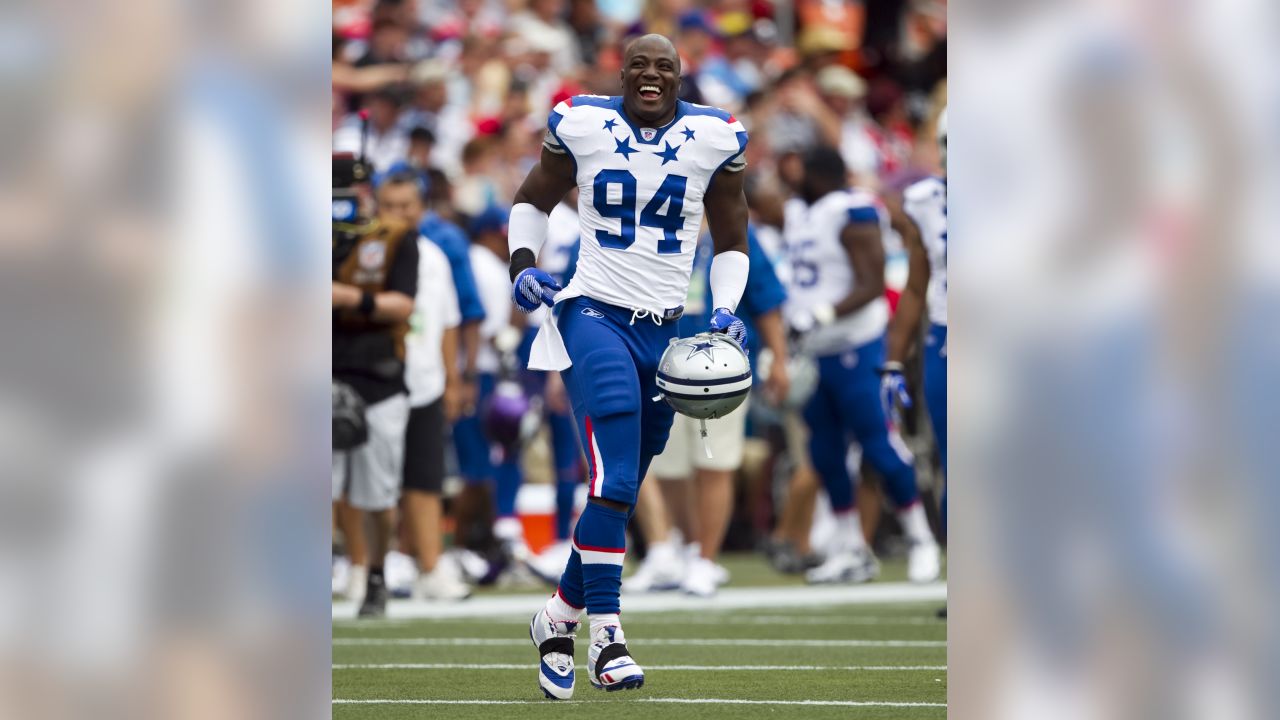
(609, 663)
(924, 562)
(554, 641)
(846, 566)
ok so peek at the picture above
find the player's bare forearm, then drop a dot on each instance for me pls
(391, 306)
(726, 208)
(866, 256)
(469, 333)
(769, 325)
(548, 182)
(449, 354)
(388, 306)
(906, 321)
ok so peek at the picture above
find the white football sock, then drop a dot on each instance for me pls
(604, 620)
(560, 610)
(849, 530)
(915, 524)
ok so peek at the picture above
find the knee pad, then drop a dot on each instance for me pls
(610, 382)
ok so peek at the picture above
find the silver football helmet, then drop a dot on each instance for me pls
(706, 376)
(802, 371)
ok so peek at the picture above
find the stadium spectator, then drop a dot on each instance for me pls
(431, 374)
(375, 278)
(385, 143)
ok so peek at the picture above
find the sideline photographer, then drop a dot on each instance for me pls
(375, 278)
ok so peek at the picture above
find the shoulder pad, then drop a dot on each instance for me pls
(921, 190)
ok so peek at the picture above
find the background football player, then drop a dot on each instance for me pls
(836, 302)
(923, 227)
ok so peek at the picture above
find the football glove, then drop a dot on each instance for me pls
(533, 287)
(893, 391)
(723, 321)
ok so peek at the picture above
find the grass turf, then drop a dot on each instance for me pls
(910, 622)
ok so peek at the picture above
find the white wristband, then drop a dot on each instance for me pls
(527, 228)
(729, 279)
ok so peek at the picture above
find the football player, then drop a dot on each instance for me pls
(923, 227)
(647, 166)
(836, 303)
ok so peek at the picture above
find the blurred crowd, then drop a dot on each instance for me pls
(447, 102)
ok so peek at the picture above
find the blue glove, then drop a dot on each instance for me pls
(723, 321)
(532, 288)
(893, 391)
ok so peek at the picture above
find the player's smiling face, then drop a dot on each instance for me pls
(651, 80)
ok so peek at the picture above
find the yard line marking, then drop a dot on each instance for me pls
(668, 619)
(730, 598)
(708, 668)
(712, 618)
(693, 701)
(744, 642)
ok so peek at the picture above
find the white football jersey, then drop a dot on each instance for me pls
(640, 195)
(820, 270)
(925, 202)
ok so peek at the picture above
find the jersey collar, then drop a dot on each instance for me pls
(635, 129)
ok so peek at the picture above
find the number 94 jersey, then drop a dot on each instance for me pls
(640, 194)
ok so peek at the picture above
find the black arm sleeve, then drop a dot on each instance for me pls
(402, 276)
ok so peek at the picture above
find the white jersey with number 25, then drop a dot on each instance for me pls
(820, 269)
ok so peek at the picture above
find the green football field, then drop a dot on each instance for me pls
(856, 660)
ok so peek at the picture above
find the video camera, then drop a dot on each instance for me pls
(348, 172)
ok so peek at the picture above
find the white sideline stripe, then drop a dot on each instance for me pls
(740, 642)
(731, 598)
(708, 668)
(712, 618)
(691, 701)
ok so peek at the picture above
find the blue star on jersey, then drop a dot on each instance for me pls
(624, 147)
(610, 124)
(688, 134)
(669, 153)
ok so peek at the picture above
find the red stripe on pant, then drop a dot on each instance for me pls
(591, 460)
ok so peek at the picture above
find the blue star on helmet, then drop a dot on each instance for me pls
(624, 147)
(688, 134)
(609, 124)
(702, 348)
(669, 154)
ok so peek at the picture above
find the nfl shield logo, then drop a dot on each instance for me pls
(372, 254)
(648, 133)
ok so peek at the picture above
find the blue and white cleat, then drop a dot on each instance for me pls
(609, 663)
(554, 641)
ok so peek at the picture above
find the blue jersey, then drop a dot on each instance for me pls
(456, 247)
(764, 292)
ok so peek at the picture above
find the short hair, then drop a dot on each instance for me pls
(407, 177)
(386, 94)
(825, 163)
(422, 134)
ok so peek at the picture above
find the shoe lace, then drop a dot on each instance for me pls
(558, 659)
